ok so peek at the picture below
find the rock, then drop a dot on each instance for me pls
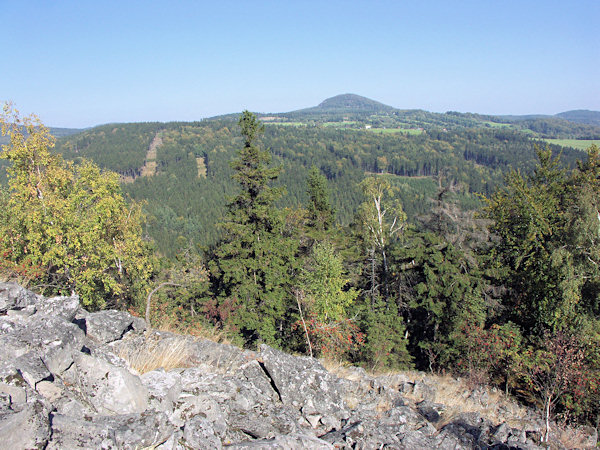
(110, 389)
(27, 428)
(501, 433)
(304, 384)
(431, 411)
(107, 326)
(163, 388)
(53, 339)
(64, 307)
(49, 390)
(15, 297)
(198, 433)
(224, 358)
(17, 395)
(32, 369)
(295, 440)
(128, 431)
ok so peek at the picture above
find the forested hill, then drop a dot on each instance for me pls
(182, 172)
(355, 111)
(581, 116)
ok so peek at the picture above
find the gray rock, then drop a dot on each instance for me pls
(304, 384)
(163, 388)
(285, 442)
(110, 389)
(50, 391)
(502, 432)
(198, 433)
(17, 395)
(27, 428)
(129, 431)
(61, 306)
(32, 369)
(431, 411)
(13, 296)
(107, 326)
(224, 358)
(53, 339)
(415, 439)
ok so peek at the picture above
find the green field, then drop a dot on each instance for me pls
(580, 144)
(397, 130)
(496, 124)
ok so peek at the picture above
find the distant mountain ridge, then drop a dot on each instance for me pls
(581, 116)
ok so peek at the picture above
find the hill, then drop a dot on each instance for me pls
(346, 103)
(581, 116)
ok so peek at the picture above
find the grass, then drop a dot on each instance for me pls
(453, 393)
(497, 125)
(579, 144)
(412, 131)
(155, 354)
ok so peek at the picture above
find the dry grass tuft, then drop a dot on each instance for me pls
(155, 354)
(197, 330)
(580, 437)
(458, 396)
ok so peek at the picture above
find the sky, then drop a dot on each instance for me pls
(84, 63)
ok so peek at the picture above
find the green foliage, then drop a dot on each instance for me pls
(321, 213)
(441, 289)
(323, 283)
(70, 222)
(548, 250)
(386, 345)
(251, 266)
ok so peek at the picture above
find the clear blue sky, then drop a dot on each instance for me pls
(82, 63)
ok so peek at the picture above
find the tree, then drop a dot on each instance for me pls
(251, 267)
(321, 213)
(548, 251)
(439, 290)
(554, 370)
(70, 222)
(380, 219)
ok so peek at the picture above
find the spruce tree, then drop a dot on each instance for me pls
(252, 264)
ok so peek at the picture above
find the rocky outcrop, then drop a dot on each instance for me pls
(64, 384)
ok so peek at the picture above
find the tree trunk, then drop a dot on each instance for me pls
(304, 323)
(166, 283)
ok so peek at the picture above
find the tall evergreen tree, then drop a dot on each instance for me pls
(252, 265)
(321, 213)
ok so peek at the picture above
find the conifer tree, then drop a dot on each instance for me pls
(252, 265)
(321, 213)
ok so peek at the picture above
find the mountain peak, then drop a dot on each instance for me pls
(352, 102)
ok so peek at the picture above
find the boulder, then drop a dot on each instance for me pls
(53, 339)
(126, 431)
(26, 428)
(110, 389)
(107, 326)
(15, 297)
(305, 385)
(64, 307)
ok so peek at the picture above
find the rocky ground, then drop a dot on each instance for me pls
(67, 380)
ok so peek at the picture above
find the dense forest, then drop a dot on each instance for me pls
(186, 194)
(470, 251)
